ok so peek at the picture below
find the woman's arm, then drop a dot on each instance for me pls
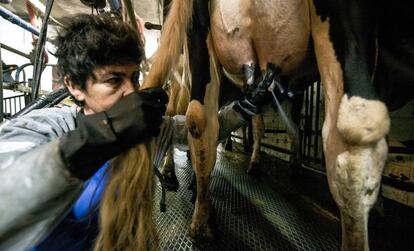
(36, 189)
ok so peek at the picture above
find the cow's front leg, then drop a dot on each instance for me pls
(354, 168)
(355, 122)
(354, 165)
(356, 177)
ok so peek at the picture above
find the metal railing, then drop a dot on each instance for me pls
(12, 105)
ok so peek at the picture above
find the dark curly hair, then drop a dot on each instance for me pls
(90, 41)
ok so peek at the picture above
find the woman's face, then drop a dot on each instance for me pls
(106, 86)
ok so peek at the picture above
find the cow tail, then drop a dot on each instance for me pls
(126, 220)
(171, 44)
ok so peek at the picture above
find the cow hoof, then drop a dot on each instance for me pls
(170, 181)
(253, 168)
(201, 234)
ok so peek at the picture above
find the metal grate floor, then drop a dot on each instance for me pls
(249, 215)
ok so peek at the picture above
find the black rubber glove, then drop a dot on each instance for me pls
(255, 99)
(104, 135)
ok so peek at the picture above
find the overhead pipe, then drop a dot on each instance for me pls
(8, 15)
(39, 54)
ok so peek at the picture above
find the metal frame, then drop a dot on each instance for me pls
(311, 136)
(311, 128)
(39, 53)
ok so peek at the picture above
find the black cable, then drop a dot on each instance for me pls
(49, 100)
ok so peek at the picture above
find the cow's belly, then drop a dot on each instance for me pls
(260, 32)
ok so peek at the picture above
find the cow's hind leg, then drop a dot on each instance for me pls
(258, 133)
(203, 152)
(168, 171)
(202, 119)
(203, 145)
(250, 70)
(354, 128)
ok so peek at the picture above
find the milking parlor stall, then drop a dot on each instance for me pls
(270, 187)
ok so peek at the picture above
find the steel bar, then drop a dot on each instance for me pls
(131, 14)
(316, 130)
(39, 56)
(6, 47)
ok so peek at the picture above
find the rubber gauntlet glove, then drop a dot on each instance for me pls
(104, 135)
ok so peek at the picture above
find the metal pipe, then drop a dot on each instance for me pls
(39, 56)
(6, 47)
(21, 69)
(317, 114)
(131, 14)
(1, 88)
(311, 132)
(305, 144)
(8, 15)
